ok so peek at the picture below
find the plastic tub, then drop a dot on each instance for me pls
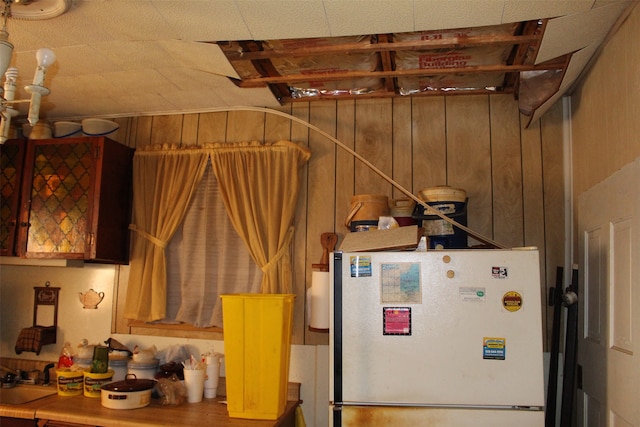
(257, 347)
(119, 366)
(93, 382)
(442, 234)
(143, 370)
(69, 382)
(450, 202)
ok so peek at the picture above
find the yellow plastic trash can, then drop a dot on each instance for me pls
(257, 348)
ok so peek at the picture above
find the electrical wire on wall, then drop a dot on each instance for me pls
(399, 187)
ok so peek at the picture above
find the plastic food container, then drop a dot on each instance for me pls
(130, 393)
(119, 366)
(69, 382)
(93, 382)
(143, 369)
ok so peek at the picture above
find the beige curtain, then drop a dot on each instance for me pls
(164, 179)
(259, 185)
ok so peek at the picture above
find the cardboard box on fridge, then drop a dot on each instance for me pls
(401, 238)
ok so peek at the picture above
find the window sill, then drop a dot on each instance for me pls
(181, 330)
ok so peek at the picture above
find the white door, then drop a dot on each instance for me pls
(609, 327)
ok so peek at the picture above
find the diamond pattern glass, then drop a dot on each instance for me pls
(60, 198)
(8, 186)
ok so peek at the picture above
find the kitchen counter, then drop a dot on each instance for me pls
(89, 411)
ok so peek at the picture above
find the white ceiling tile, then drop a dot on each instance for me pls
(140, 100)
(438, 14)
(574, 32)
(598, 3)
(278, 19)
(231, 95)
(133, 57)
(127, 20)
(357, 17)
(203, 56)
(198, 20)
(74, 27)
(194, 99)
(526, 10)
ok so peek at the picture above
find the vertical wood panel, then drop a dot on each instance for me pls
(300, 135)
(605, 110)
(373, 142)
(469, 157)
(345, 164)
(402, 146)
(429, 142)
(167, 129)
(532, 186)
(277, 128)
(553, 180)
(245, 126)
(212, 127)
(321, 191)
(190, 129)
(506, 163)
(142, 132)
(533, 204)
(122, 135)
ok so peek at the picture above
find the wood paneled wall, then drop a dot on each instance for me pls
(513, 176)
(606, 110)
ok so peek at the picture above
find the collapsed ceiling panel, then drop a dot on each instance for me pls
(476, 60)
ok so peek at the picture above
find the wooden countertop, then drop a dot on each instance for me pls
(85, 410)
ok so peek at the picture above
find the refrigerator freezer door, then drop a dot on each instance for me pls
(439, 328)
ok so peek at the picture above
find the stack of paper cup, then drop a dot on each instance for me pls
(194, 382)
(194, 372)
(212, 374)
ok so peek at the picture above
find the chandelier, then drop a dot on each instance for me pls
(36, 89)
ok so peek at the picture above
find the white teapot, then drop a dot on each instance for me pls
(91, 298)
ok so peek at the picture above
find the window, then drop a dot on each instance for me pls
(259, 185)
(206, 258)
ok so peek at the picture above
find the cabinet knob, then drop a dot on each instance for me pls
(24, 224)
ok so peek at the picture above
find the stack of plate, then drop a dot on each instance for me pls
(66, 129)
(99, 127)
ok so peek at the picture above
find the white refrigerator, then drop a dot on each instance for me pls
(439, 338)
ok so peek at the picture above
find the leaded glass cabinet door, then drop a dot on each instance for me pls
(11, 165)
(56, 209)
(75, 189)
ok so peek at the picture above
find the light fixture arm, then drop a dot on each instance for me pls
(36, 89)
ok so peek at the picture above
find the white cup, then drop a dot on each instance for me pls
(194, 382)
(211, 377)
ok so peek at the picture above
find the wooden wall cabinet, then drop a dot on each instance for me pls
(74, 199)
